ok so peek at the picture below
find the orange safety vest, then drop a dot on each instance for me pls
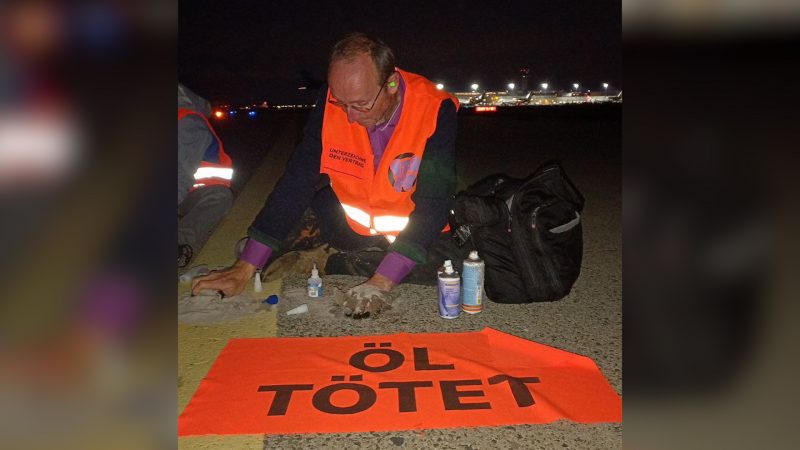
(216, 167)
(379, 201)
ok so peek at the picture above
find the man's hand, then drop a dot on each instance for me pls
(369, 298)
(230, 281)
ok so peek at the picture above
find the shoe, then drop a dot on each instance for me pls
(362, 263)
(306, 234)
(185, 254)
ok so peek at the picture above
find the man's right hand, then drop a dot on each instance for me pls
(230, 281)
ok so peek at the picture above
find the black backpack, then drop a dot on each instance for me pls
(528, 231)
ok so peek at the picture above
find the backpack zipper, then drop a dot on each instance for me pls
(528, 266)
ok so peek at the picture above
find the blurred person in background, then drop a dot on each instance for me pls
(32, 35)
(205, 172)
(82, 233)
(376, 166)
(37, 129)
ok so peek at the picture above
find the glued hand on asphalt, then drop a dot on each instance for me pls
(366, 300)
(230, 281)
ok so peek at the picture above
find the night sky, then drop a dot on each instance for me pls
(240, 51)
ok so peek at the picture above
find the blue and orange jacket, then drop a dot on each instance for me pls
(216, 168)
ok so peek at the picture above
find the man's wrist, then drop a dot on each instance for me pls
(382, 282)
(395, 267)
(256, 253)
(245, 267)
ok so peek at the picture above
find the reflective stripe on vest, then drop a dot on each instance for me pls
(388, 226)
(359, 215)
(378, 201)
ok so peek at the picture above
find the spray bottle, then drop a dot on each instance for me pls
(449, 292)
(472, 290)
(314, 283)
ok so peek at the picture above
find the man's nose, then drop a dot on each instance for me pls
(351, 114)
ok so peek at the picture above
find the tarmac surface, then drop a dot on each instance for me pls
(588, 321)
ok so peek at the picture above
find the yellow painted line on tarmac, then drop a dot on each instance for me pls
(239, 442)
(199, 345)
(219, 250)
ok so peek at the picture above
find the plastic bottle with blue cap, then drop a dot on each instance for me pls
(315, 283)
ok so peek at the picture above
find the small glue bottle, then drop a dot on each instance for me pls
(257, 281)
(314, 283)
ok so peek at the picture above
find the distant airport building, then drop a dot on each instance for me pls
(503, 98)
(471, 99)
(565, 98)
(466, 98)
(597, 97)
(542, 98)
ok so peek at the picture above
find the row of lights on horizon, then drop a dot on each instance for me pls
(219, 114)
(511, 86)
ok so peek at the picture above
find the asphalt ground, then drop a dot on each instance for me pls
(585, 138)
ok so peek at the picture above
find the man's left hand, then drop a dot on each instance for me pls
(369, 298)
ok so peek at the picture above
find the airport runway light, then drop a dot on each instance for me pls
(251, 113)
(218, 114)
(474, 86)
(439, 86)
(544, 86)
(511, 86)
(575, 86)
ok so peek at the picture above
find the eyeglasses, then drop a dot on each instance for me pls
(361, 109)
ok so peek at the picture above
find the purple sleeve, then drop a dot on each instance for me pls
(395, 267)
(255, 253)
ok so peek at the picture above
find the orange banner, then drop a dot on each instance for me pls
(394, 382)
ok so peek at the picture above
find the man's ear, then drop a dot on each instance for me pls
(394, 83)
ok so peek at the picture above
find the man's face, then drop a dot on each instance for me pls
(355, 85)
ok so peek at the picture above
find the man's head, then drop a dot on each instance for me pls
(363, 79)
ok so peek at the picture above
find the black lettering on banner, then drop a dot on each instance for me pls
(359, 359)
(322, 398)
(422, 361)
(521, 393)
(283, 395)
(406, 392)
(451, 395)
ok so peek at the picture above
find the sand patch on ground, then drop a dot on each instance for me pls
(240, 442)
(209, 309)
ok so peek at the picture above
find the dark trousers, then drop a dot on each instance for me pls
(325, 223)
(200, 213)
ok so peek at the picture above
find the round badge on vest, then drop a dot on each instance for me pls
(403, 172)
